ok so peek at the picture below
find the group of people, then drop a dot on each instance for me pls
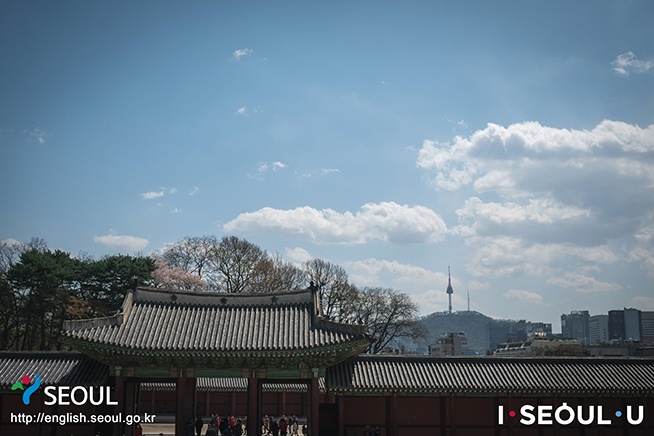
(225, 426)
(369, 432)
(284, 426)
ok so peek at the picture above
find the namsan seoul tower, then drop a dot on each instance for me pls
(450, 291)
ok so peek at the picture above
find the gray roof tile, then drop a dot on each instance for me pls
(150, 320)
(368, 373)
(55, 368)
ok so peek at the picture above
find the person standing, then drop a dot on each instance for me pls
(198, 425)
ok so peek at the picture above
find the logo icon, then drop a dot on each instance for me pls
(25, 381)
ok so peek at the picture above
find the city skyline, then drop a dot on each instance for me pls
(514, 142)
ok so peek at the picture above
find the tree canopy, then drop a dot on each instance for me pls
(40, 288)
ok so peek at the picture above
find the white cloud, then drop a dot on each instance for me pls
(238, 54)
(511, 256)
(476, 285)
(194, 191)
(387, 221)
(264, 167)
(39, 134)
(128, 244)
(152, 195)
(298, 255)
(524, 296)
(565, 195)
(370, 271)
(241, 111)
(176, 210)
(627, 62)
(438, 301)
(583, 284)
(325, 171)
(173, 191)
(321, 172)
(515, 150)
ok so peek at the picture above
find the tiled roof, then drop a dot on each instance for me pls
(233, 384)
(55, 368)
(527, 376)
(195, 321)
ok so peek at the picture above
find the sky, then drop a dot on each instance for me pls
(513, 141)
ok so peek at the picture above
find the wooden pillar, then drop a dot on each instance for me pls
(232, 403)
(392, 412)
(152, 402)
(283, 402)
(314, 424)
(452, 415)
(340, 399)
(185, 407)
(254, 422)
(130, 404)
(207, 404)
(443, 415)
(120, 399)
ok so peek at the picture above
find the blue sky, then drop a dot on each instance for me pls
(512, 140)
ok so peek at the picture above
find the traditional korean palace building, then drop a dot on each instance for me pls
(193, 353)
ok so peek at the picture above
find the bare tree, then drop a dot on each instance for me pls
(390, 315)
(338, 297)
(272, 274)
(193, 254)
(236, 261)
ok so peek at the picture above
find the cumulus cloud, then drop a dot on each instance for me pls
(627, 62)
(176, 210)
(565, 197)
(151, 195)
(241, 111)
(386, 221)
(524, 296)
(127, 244)
(298, 255)
(278, 166)
(238, 54)
(194, 191)
(583, 284)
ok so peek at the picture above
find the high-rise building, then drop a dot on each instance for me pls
(647, 327)
(576, 325)
(625, 324)
(616, 325)
(599, 329)
(632, 328)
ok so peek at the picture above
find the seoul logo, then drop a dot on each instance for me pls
(547, 414)
(25, 381)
